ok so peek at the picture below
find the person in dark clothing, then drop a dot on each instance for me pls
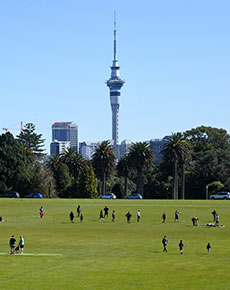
(176, 216)
(113, 216)
(181, 246)
(128, 216)
(12, 245)
(163, 218)
(208, 247)
(101, 216)
(81, 218)
(71, 216)
(165, 243)
(138, 215)
(106, 211)
(214, 215)
(78, 210)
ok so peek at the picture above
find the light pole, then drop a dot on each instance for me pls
(206, 192)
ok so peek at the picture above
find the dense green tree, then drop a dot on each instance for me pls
(140, 158)
(87, 186)
(63, 180)
(14, 164)
(32, 141)
(104, 162)
(210, 161)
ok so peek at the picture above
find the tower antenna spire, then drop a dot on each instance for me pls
(115, 40)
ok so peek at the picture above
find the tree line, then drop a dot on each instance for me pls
(192, 163)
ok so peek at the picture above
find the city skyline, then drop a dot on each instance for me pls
(56, 57)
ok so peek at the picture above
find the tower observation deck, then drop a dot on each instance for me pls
(115, 84)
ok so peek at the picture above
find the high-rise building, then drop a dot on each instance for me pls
(115, 84)
(66, 131)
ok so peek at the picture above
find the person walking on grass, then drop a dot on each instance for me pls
(128, 216)
(106, 210)
(41, 211)
(138, 215)
(71, 216)
(78, 211)
(181, 246)
(163, 218)
(217, 220)
(81, 218)
(165, 243)
(113, 216)
(214, 215)
(176, 219)
(12, 244)
(208, 247)
(101, 217)
(21, 244)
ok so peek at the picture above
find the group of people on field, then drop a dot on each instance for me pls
(13, 248)
(79, 214)
(181, 245)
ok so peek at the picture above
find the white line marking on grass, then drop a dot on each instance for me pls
(32, 254)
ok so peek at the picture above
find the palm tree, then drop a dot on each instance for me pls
(74, 161)
(140, 159)
(104, 162)
(123, 168)
(177, 149)
(53, 163)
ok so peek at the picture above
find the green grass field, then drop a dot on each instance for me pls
(105, 255)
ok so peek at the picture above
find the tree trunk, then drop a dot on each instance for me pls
(126, 184)
(103, 184)
(140, 183)
(175, 181)
(183, 180)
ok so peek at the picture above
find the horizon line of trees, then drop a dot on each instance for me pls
(192, 161)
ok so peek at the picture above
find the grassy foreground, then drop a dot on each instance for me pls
(105, 255)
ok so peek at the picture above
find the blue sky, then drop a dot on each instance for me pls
(55, 57)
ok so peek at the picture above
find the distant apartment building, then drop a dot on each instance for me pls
(87, 148)
(123, 148)
(65, 132)
(156, 146)
(59, 147)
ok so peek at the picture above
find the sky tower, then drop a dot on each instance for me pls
(115, 84)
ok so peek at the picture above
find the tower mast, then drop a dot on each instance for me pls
(115, 84)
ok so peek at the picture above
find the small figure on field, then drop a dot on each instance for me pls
(21, 244)
(176, 216)
(214, 215)
(81, 218)
(128, 216)
(208, 247)
(194, 221)
(163, 218)
(101, 217)
(138, 215)
(106, 210)
(71, 216)
(41, 212)
(165, 243)
(12, 244)
(78, 210)
(217, 220)
(181, 246)
(113, 216)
